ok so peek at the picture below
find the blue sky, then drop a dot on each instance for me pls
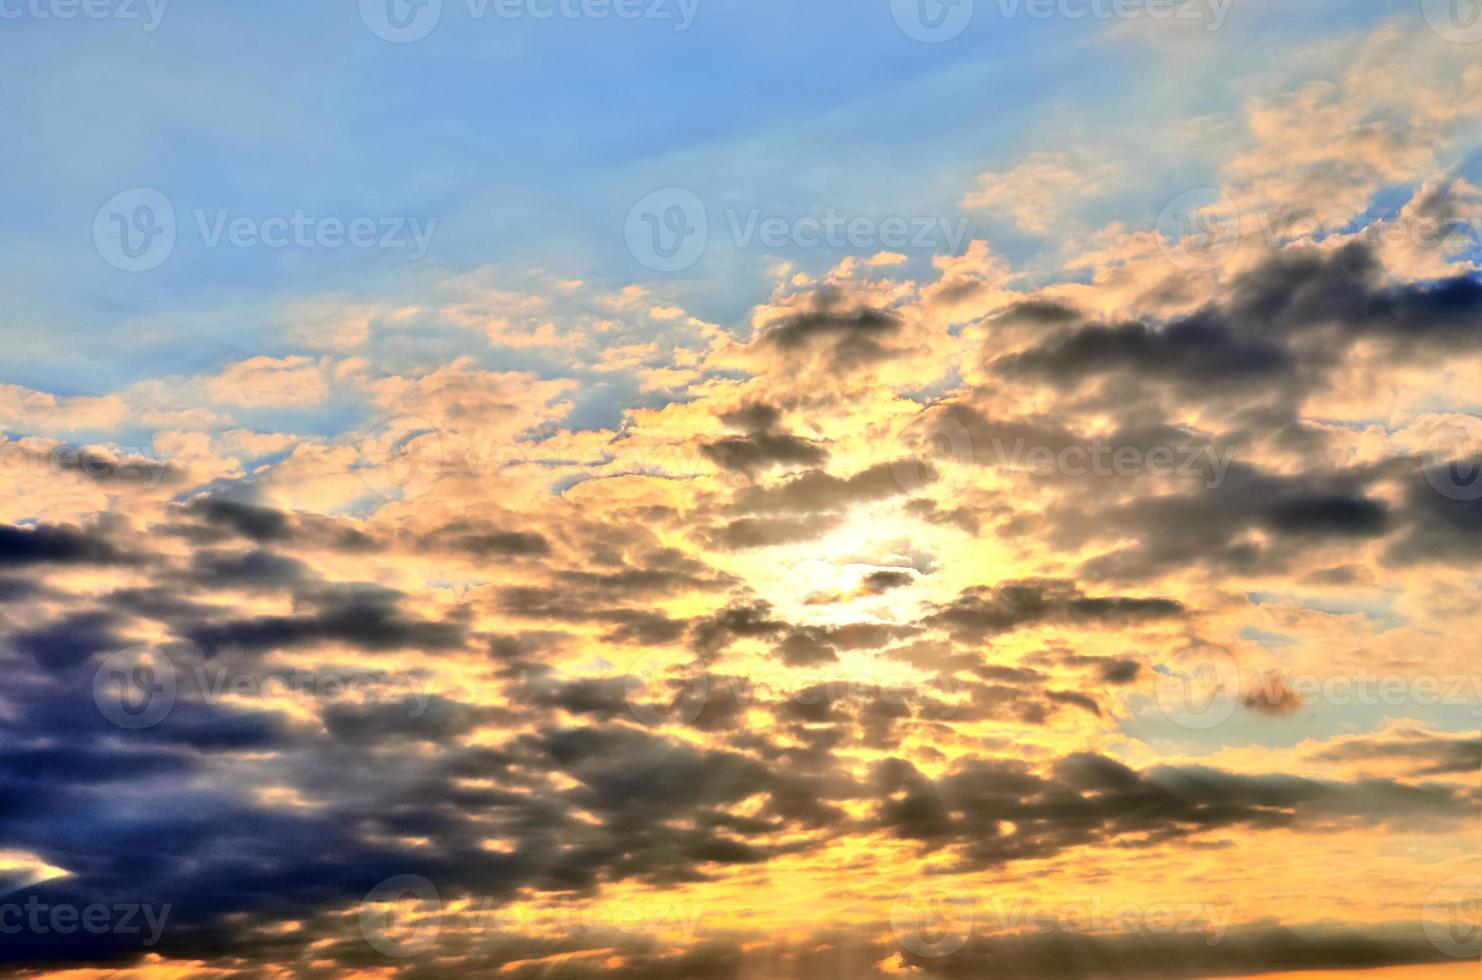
(528, 141)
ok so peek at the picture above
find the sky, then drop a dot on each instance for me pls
(689, 489)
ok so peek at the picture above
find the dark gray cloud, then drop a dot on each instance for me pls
(1088, 799)
(57, 544)
(366, 617)
(985, 611)
(759, 450)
